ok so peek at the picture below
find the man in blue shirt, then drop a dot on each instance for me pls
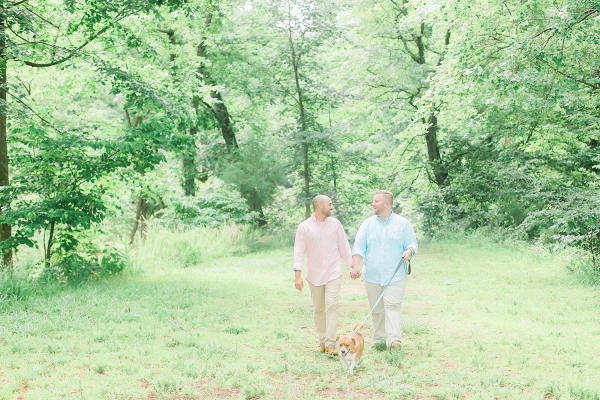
(381, 242)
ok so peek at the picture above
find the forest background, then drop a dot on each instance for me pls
(121, 116)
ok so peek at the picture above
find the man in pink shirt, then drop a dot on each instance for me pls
(325, 243)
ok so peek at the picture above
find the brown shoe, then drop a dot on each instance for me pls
(396, 346)
(321, 348)
(330, 350)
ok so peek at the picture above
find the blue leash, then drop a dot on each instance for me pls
(406, 269)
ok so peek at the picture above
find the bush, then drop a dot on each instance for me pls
(255, 173)
(13, 287)
(212, 207)
(74, 267)
(585, 266)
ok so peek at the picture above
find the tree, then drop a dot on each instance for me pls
(255, 173)
(31, 36)
(518, 91)
(418, 39)
(284, 54)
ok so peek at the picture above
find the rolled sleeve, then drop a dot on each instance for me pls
(343, 246)
(410, 239)
(360, 242)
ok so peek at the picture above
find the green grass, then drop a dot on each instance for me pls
(480, 321)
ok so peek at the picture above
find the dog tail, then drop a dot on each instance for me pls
(358, 327)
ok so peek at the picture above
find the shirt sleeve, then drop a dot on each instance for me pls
(299, 248)
(410, 239)
(360, 241)
(343, 246)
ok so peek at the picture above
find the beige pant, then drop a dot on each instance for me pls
(386, 316)
(326, 300)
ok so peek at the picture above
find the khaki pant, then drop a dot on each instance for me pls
(326, 300)
(386, 316)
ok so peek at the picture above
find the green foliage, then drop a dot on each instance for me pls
(213, 206)
(255, 174)
(13, 287)
(53, 186)
(477, 115)
(55, 189)
(74, 267)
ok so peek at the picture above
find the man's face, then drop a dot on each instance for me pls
(378, 204)
(327, 207)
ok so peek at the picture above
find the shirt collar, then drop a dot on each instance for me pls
(312, 216)
(387, 220)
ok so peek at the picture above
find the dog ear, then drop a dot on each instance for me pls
(337, 339)
(354, 341)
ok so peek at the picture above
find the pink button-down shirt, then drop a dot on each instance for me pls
(325, 244)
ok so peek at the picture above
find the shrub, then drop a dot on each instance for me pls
(75, 267)
(213, 206)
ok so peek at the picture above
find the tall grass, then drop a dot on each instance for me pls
(580, 263)
(166, 248)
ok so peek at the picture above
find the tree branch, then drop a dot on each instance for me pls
(35, 113)
(459, 155)
(18, 3)
(584, 82)
(73, 52)
(40, 17)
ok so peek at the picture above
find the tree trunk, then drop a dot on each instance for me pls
(303, 126)
(189, 152)
(433, 151)
(50, 242)
(143, 217)
(262, 220)
(189, 165)
(218, 108)
(440, 172)
(140, 220)
(335, 188)
(5, 230)
(142, 203)
(221, 114)
(306, 179)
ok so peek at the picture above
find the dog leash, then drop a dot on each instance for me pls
(406, 269)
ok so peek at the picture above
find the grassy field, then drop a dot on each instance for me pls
(480, 321)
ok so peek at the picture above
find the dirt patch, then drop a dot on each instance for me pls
(23, 391)
(144, 383)
(208, 390)
(351, 393)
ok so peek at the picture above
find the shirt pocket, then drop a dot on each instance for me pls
(332, 238)
(397, 236)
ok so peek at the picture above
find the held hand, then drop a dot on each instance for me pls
(407, 255)
(355, 273)
(299, 283)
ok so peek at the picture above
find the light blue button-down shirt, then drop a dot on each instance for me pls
(381, 245)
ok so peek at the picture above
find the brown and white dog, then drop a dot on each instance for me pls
(351, 349)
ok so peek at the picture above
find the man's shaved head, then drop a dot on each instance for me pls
(323, 207)
(320, 199)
